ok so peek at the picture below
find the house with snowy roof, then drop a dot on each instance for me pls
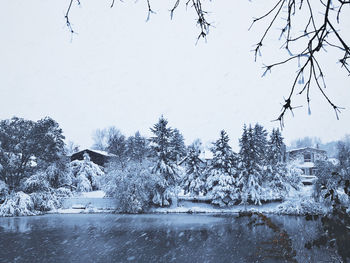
(305, 159)
(98, 157)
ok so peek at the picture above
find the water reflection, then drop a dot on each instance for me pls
(159, 238)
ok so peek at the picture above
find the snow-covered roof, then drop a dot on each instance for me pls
(306, 148)
(96, 151)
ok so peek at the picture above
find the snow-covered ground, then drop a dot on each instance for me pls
(299, 202)
(93, 194)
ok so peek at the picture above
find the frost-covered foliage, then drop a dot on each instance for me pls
(63, 192)
(36, 183)
(327, 179)
(132, 186)
(305, 206)
(165, 166)
(86, 175)
(332, 186)
(221, 183)
(193, 181)
(58, 174)
(18, 204)
(45, 201)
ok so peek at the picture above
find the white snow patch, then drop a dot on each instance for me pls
(93, 194)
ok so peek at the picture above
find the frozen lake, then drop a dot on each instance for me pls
(159, 238)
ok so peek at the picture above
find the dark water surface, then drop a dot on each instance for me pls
(159, 238)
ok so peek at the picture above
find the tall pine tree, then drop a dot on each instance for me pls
(193, 180)
(165, 164)
(221, 182)
(178, 145)
(276, 179)
(253, 144)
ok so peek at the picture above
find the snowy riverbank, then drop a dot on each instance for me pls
(300, 203)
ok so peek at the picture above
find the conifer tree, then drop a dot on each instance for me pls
(165, 163)
(221, 182)
(137, 147)
(178, 145)
(276, 173)
(193, 180)
(276, 147)
(253, 145)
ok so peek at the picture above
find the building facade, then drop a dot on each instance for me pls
(305, 159)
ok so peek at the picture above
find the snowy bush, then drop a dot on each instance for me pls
(36, 182)
(64, 192)
(18, 204)
(58, 174)
(86, 175)
(301, 207)
(45, 201)
(132, 187)
(293, 176)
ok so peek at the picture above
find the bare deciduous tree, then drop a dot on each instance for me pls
(318, 22)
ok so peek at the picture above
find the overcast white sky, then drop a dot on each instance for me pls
(120, 70)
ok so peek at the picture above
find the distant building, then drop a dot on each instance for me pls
(98, 157)
(305, 159)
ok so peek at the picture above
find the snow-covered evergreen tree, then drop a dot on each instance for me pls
(275, 183)
(221, 183)
(177, 143)
(276, 148)
(165, 164)
(193, 180)
(137, 147)
(253, 144)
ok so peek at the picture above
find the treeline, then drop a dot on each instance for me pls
(148, 171)
(145, 171)
(256, 173)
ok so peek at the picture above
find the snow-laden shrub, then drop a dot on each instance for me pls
(35, 183)
(280, 181)
(59, 174)
(18, 204)
(4, 191)
(45, 201)
(83, 183)
(301, 207)
(293, 176)
(86, 175)
(132, 187)
(222, 189)
(64, 192)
